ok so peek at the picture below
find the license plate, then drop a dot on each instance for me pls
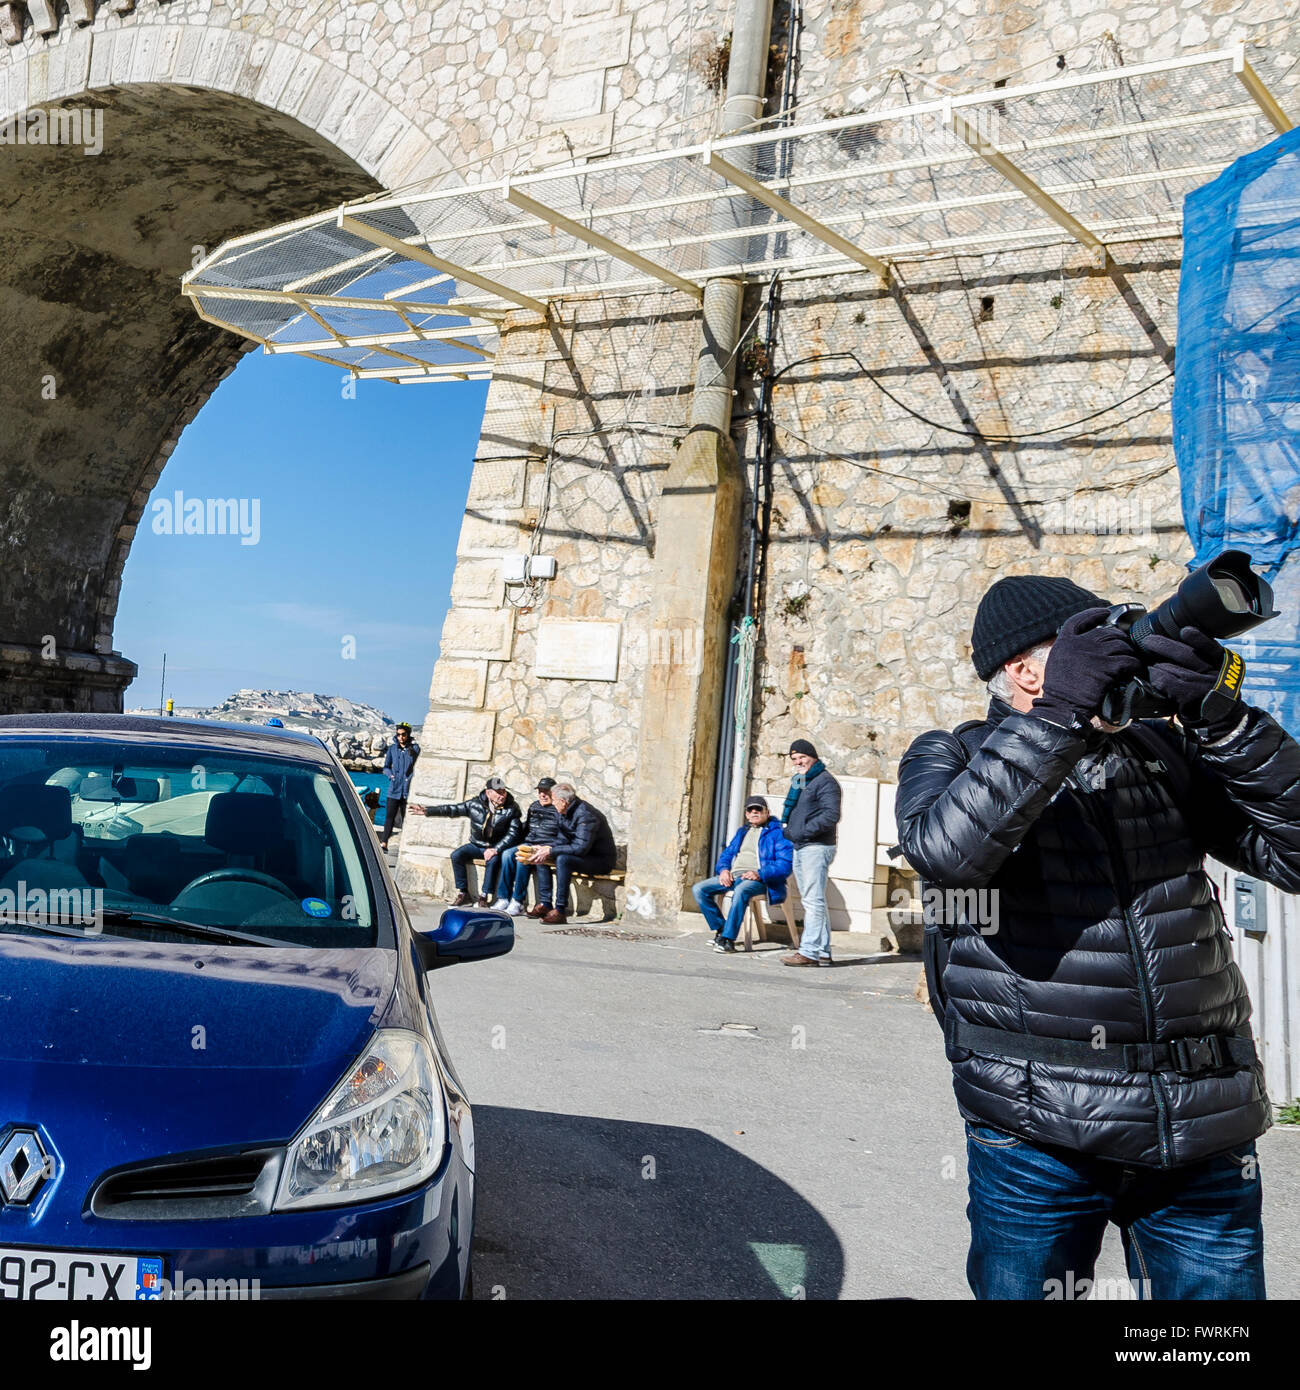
(65, 1274)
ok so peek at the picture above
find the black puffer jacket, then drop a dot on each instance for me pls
(1104, 918)
(541, 825)
(495, 827)
(584, 831)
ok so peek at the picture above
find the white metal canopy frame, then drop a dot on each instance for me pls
(413, 287)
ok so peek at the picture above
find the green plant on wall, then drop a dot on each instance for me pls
(1289, 1114)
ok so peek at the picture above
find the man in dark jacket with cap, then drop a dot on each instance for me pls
(811, 814)
(1097, 1025)
(494, 825)
(584, 844)
(541, 826)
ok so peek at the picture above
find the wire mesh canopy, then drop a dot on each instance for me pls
(413, 287)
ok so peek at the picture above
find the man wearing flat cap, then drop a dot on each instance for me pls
(1096, 1022)
(758, 859)
(495, 823)
(811, 814)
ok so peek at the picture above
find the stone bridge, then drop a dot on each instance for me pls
(223, 118)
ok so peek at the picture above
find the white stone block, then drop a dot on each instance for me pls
(478, 633)
(578, 95)
(462, 683)
(477, 584)
(437, 779)
(606, 44)
(460, 734)
(577, 139)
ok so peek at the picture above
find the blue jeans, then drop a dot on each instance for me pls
(812, 865)
(464, 856)
(1037, 1216)
(514, 878)
(710, 890)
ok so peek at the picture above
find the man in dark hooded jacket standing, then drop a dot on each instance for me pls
(1097, 1025)
(811, 814)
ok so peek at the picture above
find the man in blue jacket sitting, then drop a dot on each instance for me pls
(758, 859)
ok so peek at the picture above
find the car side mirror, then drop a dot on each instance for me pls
(465, 935)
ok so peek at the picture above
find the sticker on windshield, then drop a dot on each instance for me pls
(316, 907)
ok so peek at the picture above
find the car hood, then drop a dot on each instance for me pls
(135, 1049)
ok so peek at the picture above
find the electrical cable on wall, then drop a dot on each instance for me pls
(979, 434)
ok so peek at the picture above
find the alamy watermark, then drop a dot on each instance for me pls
(977, 907)
(75, 125)
(57, 907)
(1100, 514)
(179, 515)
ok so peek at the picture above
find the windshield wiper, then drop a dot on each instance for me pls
(127, 917)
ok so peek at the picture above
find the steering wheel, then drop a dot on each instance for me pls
(237, 875)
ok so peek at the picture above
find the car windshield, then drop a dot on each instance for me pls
(141, 835)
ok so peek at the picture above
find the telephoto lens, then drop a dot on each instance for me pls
(1224, 598)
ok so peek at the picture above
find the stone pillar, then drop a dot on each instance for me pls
(76, 682)
(697, 537)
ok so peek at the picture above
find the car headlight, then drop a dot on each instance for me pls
(381, 1130)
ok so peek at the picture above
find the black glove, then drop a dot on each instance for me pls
(1085, 661)
(1196, 673)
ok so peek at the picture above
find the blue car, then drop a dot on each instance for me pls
(220, 1072)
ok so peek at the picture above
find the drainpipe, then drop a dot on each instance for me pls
(697, 547)
(715, 368)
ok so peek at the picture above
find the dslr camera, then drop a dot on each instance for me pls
(1224, 598)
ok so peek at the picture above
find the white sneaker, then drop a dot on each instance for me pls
(501, 905)
(515, 909)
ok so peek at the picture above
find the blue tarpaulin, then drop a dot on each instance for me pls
(1236, 405)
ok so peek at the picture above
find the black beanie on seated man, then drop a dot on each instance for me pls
(1021, 611)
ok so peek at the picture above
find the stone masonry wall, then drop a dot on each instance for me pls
(886, 528)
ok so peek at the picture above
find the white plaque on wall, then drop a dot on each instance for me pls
(577, 649)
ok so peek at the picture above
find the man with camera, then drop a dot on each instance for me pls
(1099, 1030)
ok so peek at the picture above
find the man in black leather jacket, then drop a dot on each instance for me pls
(1096, 1022)
(495, 823)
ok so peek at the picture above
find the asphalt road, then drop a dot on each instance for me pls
(657, 1121)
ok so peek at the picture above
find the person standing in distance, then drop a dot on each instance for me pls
(811, 815)
(399, 767)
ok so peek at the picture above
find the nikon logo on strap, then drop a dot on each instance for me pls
(1229, 682)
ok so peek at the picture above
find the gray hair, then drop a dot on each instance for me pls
(1000, 682)
(564, 790)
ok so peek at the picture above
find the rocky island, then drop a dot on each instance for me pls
(358, 733)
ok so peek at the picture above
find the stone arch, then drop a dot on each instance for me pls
(207, 133)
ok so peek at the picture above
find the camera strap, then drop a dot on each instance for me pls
(1219, 703)
(1161, 755)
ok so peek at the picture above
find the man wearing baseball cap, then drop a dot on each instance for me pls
(758, 859)
(1096, 1022)
(494, 825)
(541, 827)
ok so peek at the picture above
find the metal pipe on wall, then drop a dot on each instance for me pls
(741, 727)
(715, 369)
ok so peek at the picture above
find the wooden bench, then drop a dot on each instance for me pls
(592, 883)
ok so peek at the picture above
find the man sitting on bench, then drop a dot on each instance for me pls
(759, 859)
(584, 844)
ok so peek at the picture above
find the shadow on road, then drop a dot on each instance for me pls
(574, 1207)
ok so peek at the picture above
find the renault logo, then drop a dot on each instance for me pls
(24, 1166)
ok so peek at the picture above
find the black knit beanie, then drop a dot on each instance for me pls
(801, 745)
(1019, 612)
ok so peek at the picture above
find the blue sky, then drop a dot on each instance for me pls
(360, 504)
